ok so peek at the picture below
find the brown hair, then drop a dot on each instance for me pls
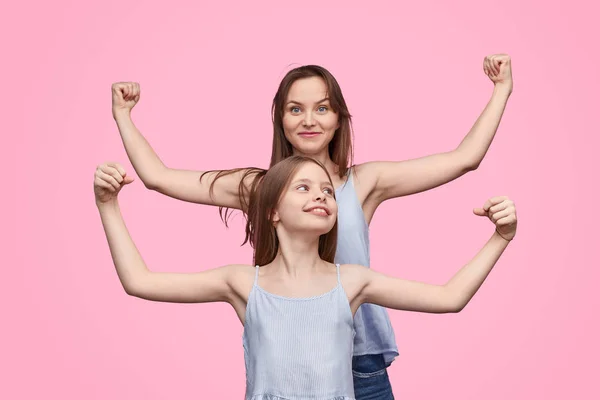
(264, 199)
(340, 147)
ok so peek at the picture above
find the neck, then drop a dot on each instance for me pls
(323, 158)
(299, 255)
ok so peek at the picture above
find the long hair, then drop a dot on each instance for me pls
(340, 147)
(264, 199)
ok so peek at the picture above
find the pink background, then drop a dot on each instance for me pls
(411, 73)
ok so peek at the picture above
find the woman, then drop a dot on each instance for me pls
(297, 308)
(310, 118)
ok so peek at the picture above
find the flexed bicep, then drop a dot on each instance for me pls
(401, 294)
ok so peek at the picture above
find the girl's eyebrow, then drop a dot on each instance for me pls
(304, 180)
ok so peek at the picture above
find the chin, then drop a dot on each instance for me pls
(310, 149)
(309, 145)
(316, 228)
(324, 228)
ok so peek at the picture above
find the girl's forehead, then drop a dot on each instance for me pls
(311, 171)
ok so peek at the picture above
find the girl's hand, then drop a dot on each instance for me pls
(109, 179)
(502, 212)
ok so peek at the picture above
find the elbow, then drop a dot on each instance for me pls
(452, 308)
(135, 279)
(154, 180)
(472, 165)
(455, 299)
(134, 288)
(449, 308)
(151, 184)
(467, 162)
(456, 308)
(131, 290)
(455, 304)
(136, 292)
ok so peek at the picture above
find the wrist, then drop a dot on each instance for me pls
(107, 206)
(121, 113)
(505, 238)
(503, 89)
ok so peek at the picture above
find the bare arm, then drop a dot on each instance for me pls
(137, 280)
(181, 184)
(407, 295)
(395, 179)
(453, 296)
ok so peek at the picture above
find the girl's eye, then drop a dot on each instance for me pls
(329, 191)
(302, 188)
(322, 109)
(295, 110)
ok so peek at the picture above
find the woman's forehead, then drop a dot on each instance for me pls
(307, 89)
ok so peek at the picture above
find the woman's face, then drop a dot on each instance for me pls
(309, 123)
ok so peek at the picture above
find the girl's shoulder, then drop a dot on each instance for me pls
(353, 278)
(240, 278)
(353, 272)
(352, 269)
(240, 273)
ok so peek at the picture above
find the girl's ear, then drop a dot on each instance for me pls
(275, 218)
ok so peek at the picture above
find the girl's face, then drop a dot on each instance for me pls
(309, 123)
(308, 203)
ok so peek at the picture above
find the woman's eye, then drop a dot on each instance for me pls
(295, 109)
(322, 109)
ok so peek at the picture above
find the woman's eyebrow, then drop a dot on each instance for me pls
(297, 102)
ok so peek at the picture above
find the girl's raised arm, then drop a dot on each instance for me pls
(401, 294)
(137, 280)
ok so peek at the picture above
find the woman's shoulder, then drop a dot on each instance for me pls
(366, 170)
(365, 174)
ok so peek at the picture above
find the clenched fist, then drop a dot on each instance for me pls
(125, 96)
(109, 179)
(497, 67)
(502, 212)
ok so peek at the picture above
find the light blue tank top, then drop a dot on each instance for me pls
(374, 332)
(298, 348)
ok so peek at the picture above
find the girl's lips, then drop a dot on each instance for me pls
(319, 210)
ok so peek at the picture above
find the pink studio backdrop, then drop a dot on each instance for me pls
(411, 73)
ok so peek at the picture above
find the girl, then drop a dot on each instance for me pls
(310, 118)
(296, 306)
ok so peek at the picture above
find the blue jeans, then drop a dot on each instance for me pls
(371, 380)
